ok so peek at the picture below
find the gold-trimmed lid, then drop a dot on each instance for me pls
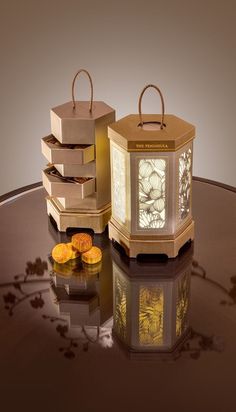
(151, 132)
(128, 133)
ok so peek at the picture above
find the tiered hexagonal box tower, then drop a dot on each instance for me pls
(77, 178)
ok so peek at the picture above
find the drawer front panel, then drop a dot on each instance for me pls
(55, 152)
(58, 187)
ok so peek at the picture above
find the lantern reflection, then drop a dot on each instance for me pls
(151, 301)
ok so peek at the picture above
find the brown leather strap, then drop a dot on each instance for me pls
(91, 87)
(162, 104)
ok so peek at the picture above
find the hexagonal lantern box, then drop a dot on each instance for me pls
(78, 177)
(151, 302)
(151, 182)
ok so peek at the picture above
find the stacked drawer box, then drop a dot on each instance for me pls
(77, 178)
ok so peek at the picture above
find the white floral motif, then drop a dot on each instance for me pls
(152, 178)
(119, 189)
(185, 162)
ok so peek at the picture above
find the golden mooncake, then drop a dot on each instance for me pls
(92, 256)
(61, 253)
(74, 252)
(82, 242)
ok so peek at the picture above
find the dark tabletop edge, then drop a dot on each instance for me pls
(19, 190)
(38, 184)
(214, 183)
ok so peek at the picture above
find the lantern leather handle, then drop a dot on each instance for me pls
(162, 104)
(91, 87)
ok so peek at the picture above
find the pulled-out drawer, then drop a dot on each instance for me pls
(58, 153)
(58, 186)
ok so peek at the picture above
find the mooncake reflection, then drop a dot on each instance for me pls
(151, 302)
(82, 292)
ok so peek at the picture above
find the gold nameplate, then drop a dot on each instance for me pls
(137, 146)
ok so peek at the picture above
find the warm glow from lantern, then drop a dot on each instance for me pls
(185, 165)
(120, 304)
(151, 314)
(152, 179)
(119, 186)
(151, 310)
(182, 304)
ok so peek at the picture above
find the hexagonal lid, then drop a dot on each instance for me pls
(129, 134)
(151, 132)
(82, 110)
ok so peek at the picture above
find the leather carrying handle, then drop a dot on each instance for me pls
(91, 88)
(162, 104)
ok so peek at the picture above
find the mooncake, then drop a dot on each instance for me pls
(82, 242)
(61, 253)
(92, 256)
(74, 252)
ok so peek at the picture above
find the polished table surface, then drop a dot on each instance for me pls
(59, 348)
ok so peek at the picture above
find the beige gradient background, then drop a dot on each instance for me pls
(188, 48)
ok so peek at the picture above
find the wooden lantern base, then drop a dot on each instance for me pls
(89, 219)
(169, 247)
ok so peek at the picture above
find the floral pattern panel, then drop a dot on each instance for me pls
(120, 307)
(182, 304)
(152, 199)
(151, 316)
(185, 177)
(119, 186)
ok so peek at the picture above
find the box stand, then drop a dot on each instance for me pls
(96, 220)
(133, 247)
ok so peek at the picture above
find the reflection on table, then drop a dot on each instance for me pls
(83, 292)
(151, 302)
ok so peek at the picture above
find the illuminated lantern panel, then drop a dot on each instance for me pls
(119, 187)
(152, 204)
(151, 310)
(185, 178)
(151, 181)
